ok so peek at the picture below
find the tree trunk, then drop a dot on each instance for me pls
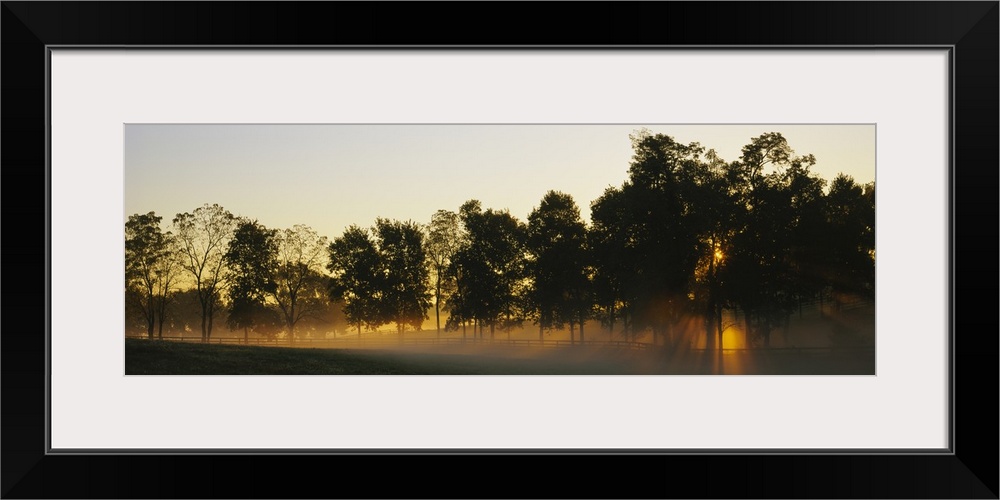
(211, 315)
(204, 324)
(437, 305)
(150, 323)
(290, 319)
(611, 322)
(581, 328)
(746, 319)
(719, 328)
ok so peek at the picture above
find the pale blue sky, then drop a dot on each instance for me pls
(331, 176)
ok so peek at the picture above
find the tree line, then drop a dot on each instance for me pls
(687, 233)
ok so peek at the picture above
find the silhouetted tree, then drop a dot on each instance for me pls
(850, 217)
(715, 214)
(443, 239)
(298, 275)
(804, 196)
(662, 191)
(356, 279)
(611, 247)
(491, 268)
(777, 195)
(203, 236)
(557, 244)
(149, 267)
(404, 297)
(251, 258)
(167, 272)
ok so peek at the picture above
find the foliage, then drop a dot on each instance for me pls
(354, 264)
(203, 236)
(687, 234)
(151, 268)
(559, 265)
(251, 257)
(443, 239)
(490, 269)
(299, 278)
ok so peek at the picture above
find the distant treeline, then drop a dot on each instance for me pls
(686, 233)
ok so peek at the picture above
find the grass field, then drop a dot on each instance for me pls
(145, 357)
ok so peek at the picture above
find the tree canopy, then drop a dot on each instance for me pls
(687, 236)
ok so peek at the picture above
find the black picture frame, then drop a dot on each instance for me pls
(969, 28)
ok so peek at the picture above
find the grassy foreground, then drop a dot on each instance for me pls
(144, 357)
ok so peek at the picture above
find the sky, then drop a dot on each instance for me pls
(331, 176)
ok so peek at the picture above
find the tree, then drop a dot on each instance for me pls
(715, 214)
(203, 236)
(184, 315)
(405, 278)
(611, 247)
(298, 275)
(149, 267)
(662, 194)
(556, 240)
(251, 257)
(765, 270)
(167, 272)
(443, 239)
(490, 268)
(355, 264)
(850, 238)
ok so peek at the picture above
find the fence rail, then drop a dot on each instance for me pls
(432, 341)
(389, 342)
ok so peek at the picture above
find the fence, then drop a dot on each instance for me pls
(389, 342)
(451, 341)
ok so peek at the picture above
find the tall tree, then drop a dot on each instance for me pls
(299, 274)
(443, 239)
(777, 195)
(662, 192)
(491, 263)
(405, 296)
(251, 257)
(612, 247)
(203, 236)
(557, 243)
(461, 270)
(850, 239)
(356, 281)
(146, 250)
(714, 214)
(167, 272)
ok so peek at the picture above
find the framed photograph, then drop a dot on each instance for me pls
(805, 186)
